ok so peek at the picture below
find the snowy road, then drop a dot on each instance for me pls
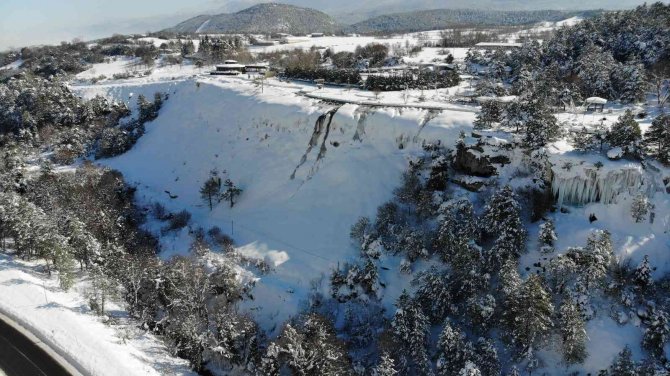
(20, 356)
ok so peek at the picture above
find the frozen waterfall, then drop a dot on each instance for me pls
(581, 186)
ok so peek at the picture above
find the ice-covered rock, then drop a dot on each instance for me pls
(582, 185)
(615, 153)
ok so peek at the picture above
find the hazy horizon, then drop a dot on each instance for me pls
(32, 22)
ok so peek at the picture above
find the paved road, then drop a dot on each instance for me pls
(19, 356)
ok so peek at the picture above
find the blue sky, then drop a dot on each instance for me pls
(24, 22)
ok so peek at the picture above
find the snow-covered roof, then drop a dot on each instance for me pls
(596, 100)
(230, 66)
(498, 44)
(505, 99)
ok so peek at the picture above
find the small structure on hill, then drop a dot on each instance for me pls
(316, 35)
(595, 104)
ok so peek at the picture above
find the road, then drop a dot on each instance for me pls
(20, 356)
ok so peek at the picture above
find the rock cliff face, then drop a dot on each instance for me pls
(470, 160)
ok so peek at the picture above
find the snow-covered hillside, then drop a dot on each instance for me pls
(300, 224)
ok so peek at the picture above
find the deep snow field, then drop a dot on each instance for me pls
(304, 187)
(301, 225)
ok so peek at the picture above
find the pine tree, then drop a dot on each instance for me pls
(625, 133)
(487, 357)
(547, 236)
(450, 347)
(470, 369)
(573, 332)
(642, 274)
(639, 208)
(502, 218)
(510, 280)
(231, 192)
(386, 366)
(657, 333)
(211, 190)
(657, 138)
(541, 126)
(527, 315)
(410, 327)
(623, 364)
(433, 294)
(489, 113)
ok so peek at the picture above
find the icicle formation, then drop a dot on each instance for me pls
(595, 186)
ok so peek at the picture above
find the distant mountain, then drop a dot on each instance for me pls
(444, 18)
(262, 18)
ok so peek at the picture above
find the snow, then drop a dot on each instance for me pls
(299, 225)
(596, 100)
(64, 321)
(13, 65)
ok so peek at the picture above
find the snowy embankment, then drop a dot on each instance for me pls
(64, 321)
(300, 225)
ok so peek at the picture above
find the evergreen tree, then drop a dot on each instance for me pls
(410, 327)
(409, 189)
(625, 133)
(642, 274)
(573, 332)
(639, 208)
(433, 294)
(490, 112)
(547, 236)
(451, 351)
(623, 364)
(487, 358)
(502, 218)
(657, 332)
(386, 366)
(231, 192)
(470, 369)
(657, 138)
(510, 280)
(527, 315)
(211, 190)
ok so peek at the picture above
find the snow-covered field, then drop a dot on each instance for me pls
(64, 321)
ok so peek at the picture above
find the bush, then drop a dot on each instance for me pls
(422, 80)
(178, 221)
(336, 76)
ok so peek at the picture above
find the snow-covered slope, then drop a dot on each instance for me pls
(64, 321)
(299, 224)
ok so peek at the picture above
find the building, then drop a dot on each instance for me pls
(595, 104)
(229, 68)
(497, 46)
(316, 35)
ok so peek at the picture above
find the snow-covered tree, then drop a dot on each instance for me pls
(433, 294)
(547, 236)
(385, 367)
(502, 219)
(470, 369)
(410, 327)
(451, 351)
(623, 364)
(639, 207)
(573, 332)
(657, 138)
(528, 315)
(487, 357)
(490, 113)
(657, 333)
(625, 133)
(642, 274)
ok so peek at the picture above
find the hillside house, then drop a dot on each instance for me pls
(229, 68)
